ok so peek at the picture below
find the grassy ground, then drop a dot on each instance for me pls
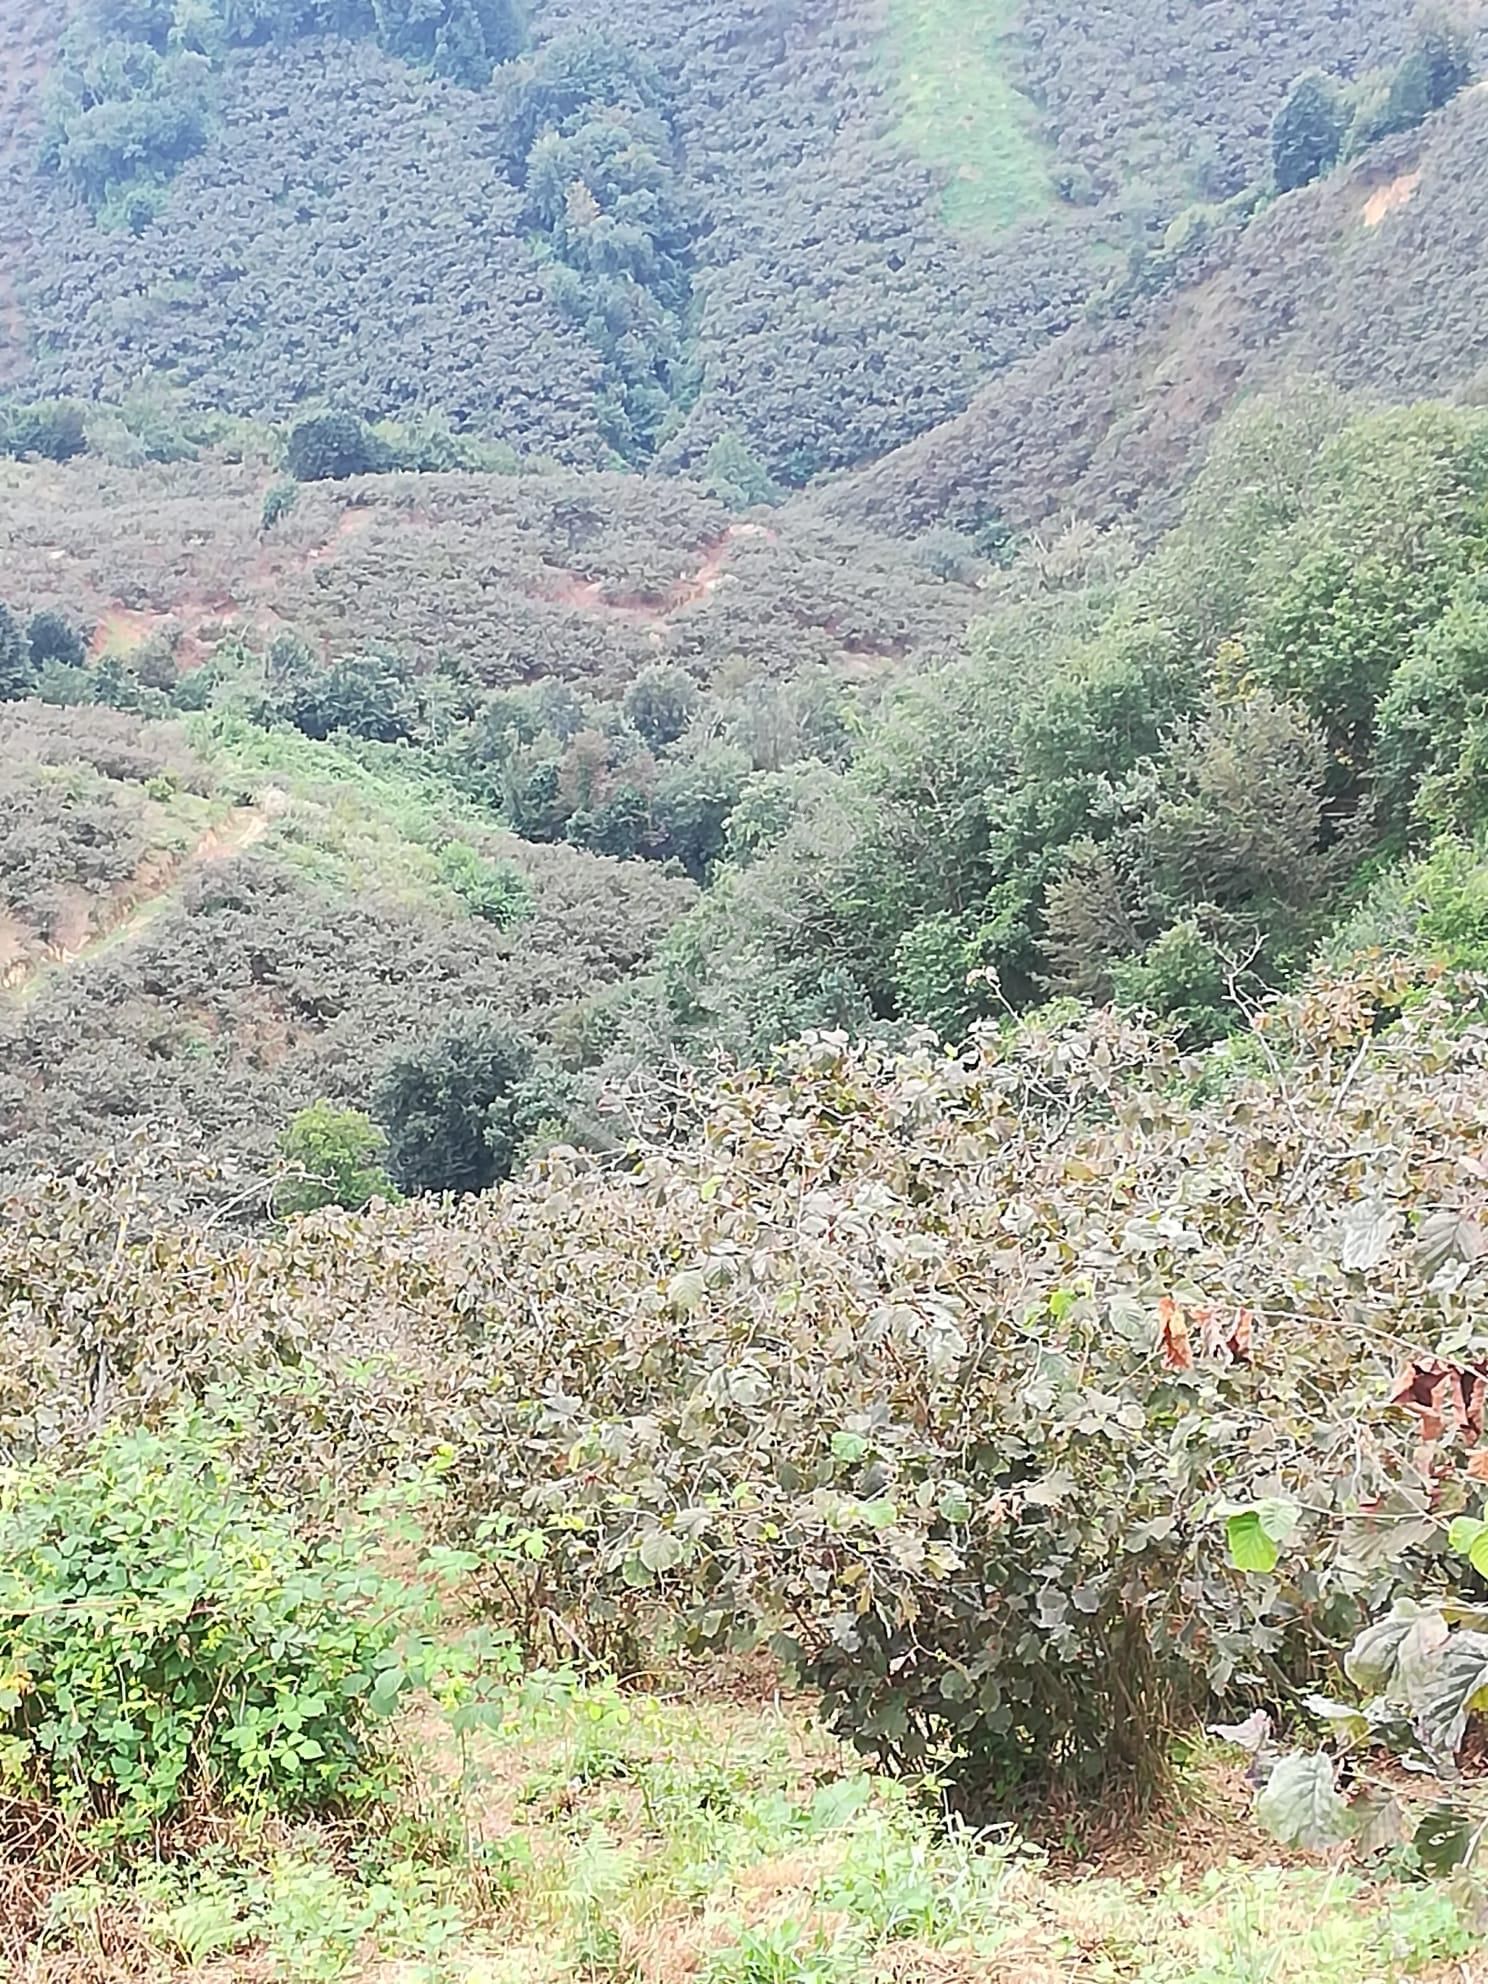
(590, 1838)
(362, 819)
(961, 112)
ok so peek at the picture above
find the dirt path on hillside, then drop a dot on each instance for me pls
(135, 910)
(644, 609)
(121, 629)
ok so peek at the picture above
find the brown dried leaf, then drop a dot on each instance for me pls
(1173, 1328)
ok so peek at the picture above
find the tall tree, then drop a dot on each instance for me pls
(1308, 133)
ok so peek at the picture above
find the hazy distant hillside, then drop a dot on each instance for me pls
(1376, 279)
(356, 231)
(487, 488)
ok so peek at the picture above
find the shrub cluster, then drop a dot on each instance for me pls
(1159, 790)
(170, 1645)
(1026, 1401)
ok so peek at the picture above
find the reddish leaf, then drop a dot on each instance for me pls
(1226, 1338)
(1173, 1327)
(1424, 1390)
(1477, 1466)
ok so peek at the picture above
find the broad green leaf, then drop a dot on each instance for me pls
(1301, 1804)
(1469, 1538)
(1450, 1688)
(1448, 1236)
(1367, 1234)
(660, 1551)
(848, 1447)
(1374, 1661)
(1279, 1519)
(1347, 1723)
(1400, 1526)
(1444, 1840)
(686, 1291)
(1251, 1735)
(1251, 1548)
(1380, 1822)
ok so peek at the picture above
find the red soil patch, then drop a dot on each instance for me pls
(120, 915)
(351, 523)
(123, 629)
(653, 609)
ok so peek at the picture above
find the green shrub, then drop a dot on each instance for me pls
(17, 660)
(734, 473)
(1434, 908)
(168, 1643)
(337, 1155)
(494, 891)
(53, 429)
(1433, 721)
(1182, 976)
(278, 501)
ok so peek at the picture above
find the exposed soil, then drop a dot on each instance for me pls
(123, 629)
(1390, 197)
(351, 523)
(122, 916)
(593, 596)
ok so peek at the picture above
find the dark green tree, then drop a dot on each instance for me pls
(1432, 72)
(53, 638)
(17, 672)
(1308, 132)
(332, 446)
(660, 703)
(279, 500)
(453, 1109)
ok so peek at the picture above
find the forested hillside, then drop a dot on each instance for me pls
(766, 255)
(411, 608)
(743, 982)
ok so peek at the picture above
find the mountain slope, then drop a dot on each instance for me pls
(1375, 279)
(359, 232)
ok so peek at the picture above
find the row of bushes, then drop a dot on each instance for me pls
(870, 1366)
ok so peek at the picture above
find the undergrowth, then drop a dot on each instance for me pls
(567, 1834)
(368, 817)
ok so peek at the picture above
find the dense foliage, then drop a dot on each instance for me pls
(787, 279)
(171, 1645)
(1159, 790)
(136, 94)
(892, 1074)
(979, 1385)
(247, 983)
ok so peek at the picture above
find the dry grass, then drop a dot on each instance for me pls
(609, 1839)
